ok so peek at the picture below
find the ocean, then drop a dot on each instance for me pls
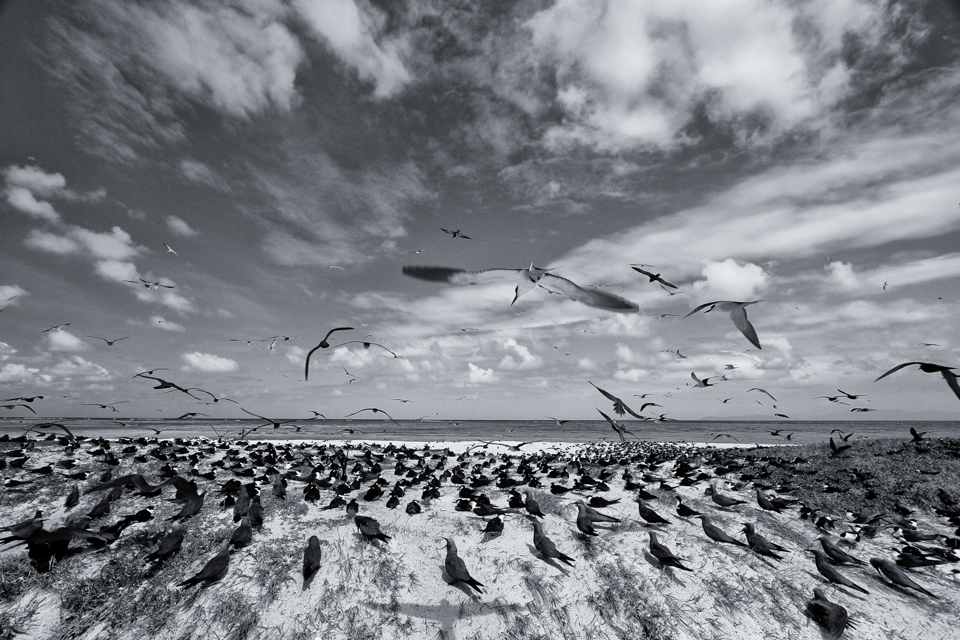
(488, 430)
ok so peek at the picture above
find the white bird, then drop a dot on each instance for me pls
(169, 250)
(738, 313)
(528, 279)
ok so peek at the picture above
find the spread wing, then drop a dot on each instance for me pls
(951, 379)
(591, 298)
(739, 317)
(703, 306)
(897, 368)
(460, 277)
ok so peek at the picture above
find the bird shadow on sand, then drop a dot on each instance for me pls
(487, 537)
(445, 614)
(668, 572)
(550, 561)
(462, 586)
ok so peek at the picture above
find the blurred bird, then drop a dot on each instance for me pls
(311, 560)
(169, 545)
(831, 617)
(654, 277)
(928, 367)
(528, 279)
(370, 528)
(323, 345)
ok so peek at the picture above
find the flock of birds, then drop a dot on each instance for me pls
(347, 473)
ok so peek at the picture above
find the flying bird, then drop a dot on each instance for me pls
(56, 327)
(528, 279)
(654, 277)
(109, 342)
(762, 391)
(702, 383)
(169, 250)
(375, 410)
(738, 313)
(927, 367)
(619, 406)
(323, 345)
(455, 234)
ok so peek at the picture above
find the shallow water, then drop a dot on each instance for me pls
(505, 430)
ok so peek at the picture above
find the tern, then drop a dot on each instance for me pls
(654, 277)
(455, 234)
(323, 345)
(928, 367)
(169, 250)
(738, 313)
(528, 279)
(109, 342)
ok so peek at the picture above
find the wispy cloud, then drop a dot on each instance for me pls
(63, 340)
(208, 362)
(200, 173)
(178, 226)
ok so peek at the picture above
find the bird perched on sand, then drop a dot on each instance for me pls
(243, 534)
(648, 514)
(831, 617)
(531, 505)
(723, 500)
(311, 560)
(684, 511)
(664, 555)
(527, 280)
(584, 523)
(928, 367)
(760, 545)
(654, 277)
(596, 516)
(169, 545)
(738, 313)
(717, 534)
(370, 528)
(214, 570)
(831, 573)
(546, 547)
(897, 576)
(494, 526)
(456, 569)
(837, 554)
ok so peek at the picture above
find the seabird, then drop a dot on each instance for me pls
(738, 313)
(929, 367)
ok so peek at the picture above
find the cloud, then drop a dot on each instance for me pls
(731, 280)
(6, 351)
(198, 172)
(77, 367)
(357, 33)
(117, 270)
(527, 360)
(113, 245)
(180, 228)
(208, 362)
(129, 70)
(10, 291)
(159, 322)
(19, 374)
(478, 375)
(35, 180)
(24, 201)
(63, 340)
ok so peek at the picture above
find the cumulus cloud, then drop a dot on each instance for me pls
(63, 340)
(78, 368)
(179, 227)
(22, 200)
(479, 375)
(115, 244)
(208, 363)
(732, 280)
(356, 32)
(13, 373)
(526, 360)
(10, 291)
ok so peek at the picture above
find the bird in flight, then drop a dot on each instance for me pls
(851, 396)
(929, 367)
(56, 327)
(375, 410)
(654, 277)
(455, 234)
(738, 313)
(150, 285)
(323, 345)
(702, 383)
(105, 406)
(762, 391)
(109, 342)
(528, 279)
(169, 250)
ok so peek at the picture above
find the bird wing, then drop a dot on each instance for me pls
(951, 379)
(646, 273)
(897, 368)
(460, 277)
(592, 298)
(739, 317)
(703, 306)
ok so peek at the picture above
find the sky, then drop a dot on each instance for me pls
(295, 155)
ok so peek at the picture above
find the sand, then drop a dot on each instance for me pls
(399, 589)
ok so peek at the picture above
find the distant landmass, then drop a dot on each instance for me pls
(884, 414)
